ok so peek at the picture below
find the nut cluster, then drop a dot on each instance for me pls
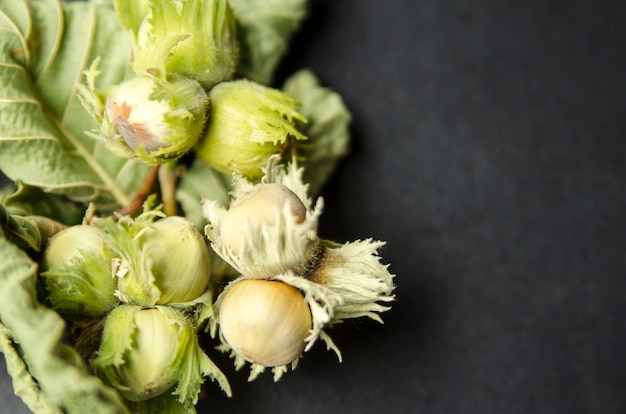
(135, 288)
(292, 283)
(141, 287)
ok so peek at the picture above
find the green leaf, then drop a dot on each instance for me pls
(164, 403)
(24, 384)
(56, 367)
(6, 191)
(45, 46)
(27, 217)
(328, 128)
(33, 201)
(132, 15)
(19, 230)
(202, 182)
(265, 30)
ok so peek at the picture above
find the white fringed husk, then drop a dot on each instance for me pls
(338, 281)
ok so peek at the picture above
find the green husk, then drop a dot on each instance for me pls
(38, 333)
(339, 281)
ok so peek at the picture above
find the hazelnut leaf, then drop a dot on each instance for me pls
(24, 384)
(20, 230)
(327, 127)
(266, 27)
(46, 46)
(27, 200)
(198, 182)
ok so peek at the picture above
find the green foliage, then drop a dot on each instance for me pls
(265, 29)
(327, 129)
(44, 48)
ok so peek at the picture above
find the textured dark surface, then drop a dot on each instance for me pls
(490, 152)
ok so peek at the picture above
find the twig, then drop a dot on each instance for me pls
(168, 176)
(141, 195)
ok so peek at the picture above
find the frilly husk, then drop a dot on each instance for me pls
(276, 249)
(338, 281)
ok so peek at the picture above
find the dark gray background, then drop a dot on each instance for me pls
(490, 152)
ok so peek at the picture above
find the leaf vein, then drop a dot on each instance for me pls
(29, 21)
(29, 138)
(16, 101)
(12, 66)
(120, 196)
(88, 46)
(57, 42)
(19, 35)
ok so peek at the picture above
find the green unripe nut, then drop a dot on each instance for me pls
(72, 243)
(248, 123)
(152, 342)
(157, 120)
(264, 205)
(77, 268)
(195, 39)
(266, 322)
(150, 357)
(180, 259)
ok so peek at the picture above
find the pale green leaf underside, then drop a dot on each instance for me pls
(23, 383)
(202, 182)
(265, 29)
(32, 201)
(19, 230)
(44, 48)
(164, 403)
(327, 129)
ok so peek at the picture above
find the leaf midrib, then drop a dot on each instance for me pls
(61, 122)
